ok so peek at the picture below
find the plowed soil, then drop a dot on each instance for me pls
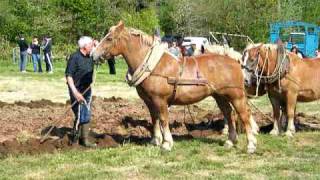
(114, 121)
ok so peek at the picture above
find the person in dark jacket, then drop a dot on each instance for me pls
(35, 53)
(79, 75)
(23, 45)
(47, 54)
(111, 63)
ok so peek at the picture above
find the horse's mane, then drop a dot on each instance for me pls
(250, 46)
(223, 50)
(144, 37)
(271, 46)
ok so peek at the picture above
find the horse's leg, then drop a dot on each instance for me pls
(283, 118)
(254, 126)
(154, 113)
(276, 114)
(225, 129)
(162, 106)
(157, 135)
(226, 109)
(291, 104)
(240, 105)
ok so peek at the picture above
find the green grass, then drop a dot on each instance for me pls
(276, 158)
(8, 69)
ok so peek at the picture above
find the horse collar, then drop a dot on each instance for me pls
(149, 63)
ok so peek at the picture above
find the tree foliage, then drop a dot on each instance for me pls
(65, 20)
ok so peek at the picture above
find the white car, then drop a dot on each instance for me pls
(198, 41)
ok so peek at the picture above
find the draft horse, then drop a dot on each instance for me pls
(170, 81)
(288, 79)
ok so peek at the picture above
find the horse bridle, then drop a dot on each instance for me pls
(113, 41)
(252, 65)
(253, 68)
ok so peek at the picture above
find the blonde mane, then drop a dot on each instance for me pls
(250, 46)
(144, 37)
(271, 46)
(223, 50)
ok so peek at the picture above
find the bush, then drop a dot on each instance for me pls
(61, 51)
(6, 49)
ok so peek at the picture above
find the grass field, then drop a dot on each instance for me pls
(276, 157)
(8, 69)
(16, 86)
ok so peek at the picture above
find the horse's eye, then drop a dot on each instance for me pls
(109, 38)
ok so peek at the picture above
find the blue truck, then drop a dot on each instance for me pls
(296, 33)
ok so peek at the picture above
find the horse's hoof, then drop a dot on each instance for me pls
(225, 130)
(156, 141)
(166, 146)
(228, 144)
(274, 132)
(289, 134)
(251, 148)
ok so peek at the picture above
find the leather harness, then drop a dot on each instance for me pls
(199, 81)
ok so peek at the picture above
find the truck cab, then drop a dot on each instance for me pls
(295, 33)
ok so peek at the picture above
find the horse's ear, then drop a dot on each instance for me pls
(249, 43)
(120, 25)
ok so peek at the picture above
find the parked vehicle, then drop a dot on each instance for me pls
(295, 33)
(198, 41)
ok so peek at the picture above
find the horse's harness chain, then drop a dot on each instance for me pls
(281, 69)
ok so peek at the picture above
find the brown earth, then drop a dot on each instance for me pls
(114, 121)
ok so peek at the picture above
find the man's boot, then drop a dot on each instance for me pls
(75, 134)
(84, 138)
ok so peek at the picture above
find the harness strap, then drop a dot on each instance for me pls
(197, 68)
(174, 92)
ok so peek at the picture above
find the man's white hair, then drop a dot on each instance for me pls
(84, 40)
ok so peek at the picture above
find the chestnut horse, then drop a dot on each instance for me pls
(224, 78)
(287, 77)
(251, 89)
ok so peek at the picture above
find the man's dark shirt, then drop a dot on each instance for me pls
(23, 45)
(80, 68)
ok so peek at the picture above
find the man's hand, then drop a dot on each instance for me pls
(74, 90)
(79, 97)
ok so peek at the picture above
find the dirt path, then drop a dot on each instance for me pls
(114, 121)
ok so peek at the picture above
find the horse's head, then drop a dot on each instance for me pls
(250, 60)
(259, 59)
(109, 46)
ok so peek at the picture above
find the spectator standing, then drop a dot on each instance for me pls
(317, 53)
(174, 49)
(35, 52)
(47, 54)
(295, 50)
(190, 50)
(23, 45)
(111, 63)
